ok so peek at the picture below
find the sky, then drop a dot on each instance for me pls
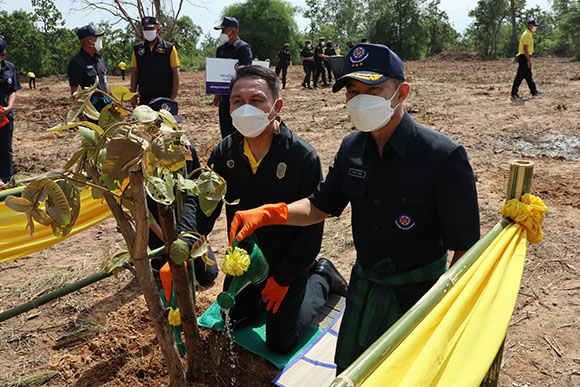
(207, 12)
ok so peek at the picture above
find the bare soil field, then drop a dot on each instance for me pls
(102, 335)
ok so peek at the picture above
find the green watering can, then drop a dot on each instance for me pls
(256, 273)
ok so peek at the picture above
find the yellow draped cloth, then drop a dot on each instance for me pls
(15, 240)
(457, 341)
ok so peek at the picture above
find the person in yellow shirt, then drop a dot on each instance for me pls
(31, 79)
(122, 68)
(155, 65)
(524, 58)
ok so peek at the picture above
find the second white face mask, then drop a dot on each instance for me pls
(251, 121)
(224, 37)
(98, 44)
(150, 35)
(370, 112)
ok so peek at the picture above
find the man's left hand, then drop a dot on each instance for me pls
(273, 294)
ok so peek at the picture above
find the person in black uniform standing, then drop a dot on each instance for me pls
(328, 51)
(412, 194)
(264, 161)
(155, 65)
(319, 59)
(307, 58)
(233, 48)
(8, 86)
(85, 66)
(284, 61)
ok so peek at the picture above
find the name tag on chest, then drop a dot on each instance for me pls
(357, 173)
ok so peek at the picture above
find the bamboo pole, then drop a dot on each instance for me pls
(369, 361)
(518, 184)
(35, 303)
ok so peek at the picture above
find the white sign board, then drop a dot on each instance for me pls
(220, 71)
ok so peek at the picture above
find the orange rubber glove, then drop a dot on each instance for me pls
(250, 220)
(3, 120)
(273, 294)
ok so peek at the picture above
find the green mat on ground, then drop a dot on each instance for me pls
(253, 336)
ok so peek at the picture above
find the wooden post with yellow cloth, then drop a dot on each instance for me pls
(469, 307)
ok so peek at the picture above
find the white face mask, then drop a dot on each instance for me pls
(251, 121)
(150, 35)
(224, 37)
(534, 28)
(370, 112)
(98, 44)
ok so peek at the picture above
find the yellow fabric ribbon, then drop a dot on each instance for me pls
(15, 240)
(236, 261)
(529, 213)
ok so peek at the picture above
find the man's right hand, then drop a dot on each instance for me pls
(134, 102)
(250, 220)
(529, 63)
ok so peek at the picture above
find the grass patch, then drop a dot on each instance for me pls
(34, 380)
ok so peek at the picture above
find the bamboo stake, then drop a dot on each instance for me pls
(518, 184)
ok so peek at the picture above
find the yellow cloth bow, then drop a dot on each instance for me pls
(529, 213)
(174, 317)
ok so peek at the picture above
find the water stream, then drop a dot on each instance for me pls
(230, 346)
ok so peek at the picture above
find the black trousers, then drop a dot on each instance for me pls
(329, 71)
(284, 69)
(6, 164)
(319, 70)
(32, 83)
(285, 328)
(123, 74)
(524, 72)
(226, 126)
(308, 68)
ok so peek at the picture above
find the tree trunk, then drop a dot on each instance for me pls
(515, 42)
(137, 244)
(183, 292)
(147, 282)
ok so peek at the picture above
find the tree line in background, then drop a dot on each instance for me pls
(38, 41)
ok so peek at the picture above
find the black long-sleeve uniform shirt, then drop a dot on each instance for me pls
(290, 171)
(412, 204)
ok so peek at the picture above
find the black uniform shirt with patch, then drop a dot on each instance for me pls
(412, 204)
(318, 50)
(84, 68)
(290, 171)
(8, 83)
(238, 50)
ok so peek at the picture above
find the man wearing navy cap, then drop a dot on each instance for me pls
(412, 193)
(233, 48)
(154, 65)
(8, 86)
(524, 58)
(85, 66)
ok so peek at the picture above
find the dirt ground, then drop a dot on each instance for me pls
(102, 336)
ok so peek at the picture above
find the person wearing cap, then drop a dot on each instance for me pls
(154, 65)
(319, 59)
(284, 60)
(263, 161)
(31, 80)
(524, 58)
(232, 48)
(84, 68)
(9, 85)
(412, 194)
(307, 57)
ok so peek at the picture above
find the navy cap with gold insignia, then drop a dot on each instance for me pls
(371, 64)
(88, 30)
